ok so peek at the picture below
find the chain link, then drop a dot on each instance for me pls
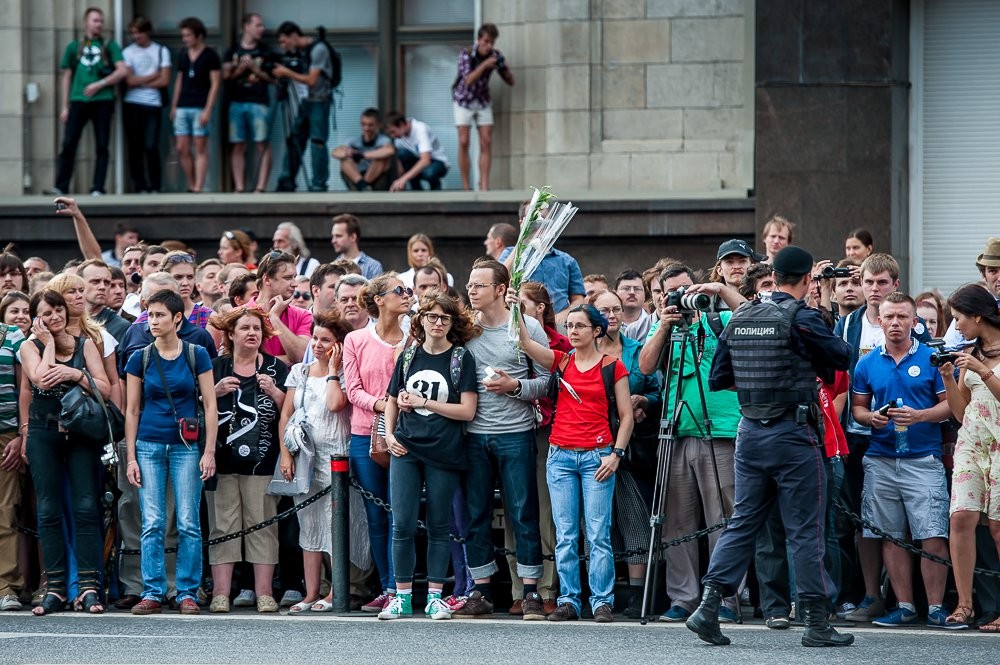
(503, 551)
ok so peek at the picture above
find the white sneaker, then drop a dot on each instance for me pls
(10, 604)
(291, 597)
(247, 598)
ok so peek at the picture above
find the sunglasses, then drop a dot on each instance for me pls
(399, 291)
(180, 258)
(229, 235)
(301, 295)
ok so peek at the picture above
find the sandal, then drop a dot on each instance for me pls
(322, 605)
(962, 616)
(50, 604)
(300, 608)
(991, 627)
(90, 602)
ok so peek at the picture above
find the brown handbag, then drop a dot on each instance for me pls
(379, 449)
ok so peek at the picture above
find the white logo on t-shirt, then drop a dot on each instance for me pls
(430, 384)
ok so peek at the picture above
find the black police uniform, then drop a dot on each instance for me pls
(772, 353)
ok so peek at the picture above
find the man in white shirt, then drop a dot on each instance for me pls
(419, 152)
(148, 77)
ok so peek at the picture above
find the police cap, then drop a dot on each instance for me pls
(793, 261)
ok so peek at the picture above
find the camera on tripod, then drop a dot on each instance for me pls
(688, 303)
(829, 272)
(294, 61)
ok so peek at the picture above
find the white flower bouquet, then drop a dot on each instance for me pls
(542, 225)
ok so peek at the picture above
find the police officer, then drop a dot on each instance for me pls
(772, 352)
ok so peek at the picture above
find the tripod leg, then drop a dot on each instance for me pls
(665, 453)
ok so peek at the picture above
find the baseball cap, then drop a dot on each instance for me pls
(741, 247)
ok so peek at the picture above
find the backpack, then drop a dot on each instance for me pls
(336, 62)
(607, 373)
(188, 352)
(455, 364)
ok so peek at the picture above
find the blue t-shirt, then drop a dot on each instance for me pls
(560, 273)
(916, 382)
(157, 422)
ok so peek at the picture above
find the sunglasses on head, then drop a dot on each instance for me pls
(301, 295)
(229, 235)
(399, 291)
(180, 258)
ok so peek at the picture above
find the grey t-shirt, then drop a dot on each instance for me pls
(319, 58)
(503, 414)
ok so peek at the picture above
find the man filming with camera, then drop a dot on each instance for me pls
(771, 353)
(311, 86)
(691, 475)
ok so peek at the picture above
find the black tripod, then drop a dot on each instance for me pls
(681, 339)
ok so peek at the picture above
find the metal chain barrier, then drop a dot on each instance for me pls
(503, 551)
(909, 547)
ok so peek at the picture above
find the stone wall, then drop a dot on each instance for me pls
(639, 95)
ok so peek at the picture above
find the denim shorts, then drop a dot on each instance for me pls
(186, 122)
(249, 121)
(908, 491)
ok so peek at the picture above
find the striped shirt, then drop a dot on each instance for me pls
(8, 386)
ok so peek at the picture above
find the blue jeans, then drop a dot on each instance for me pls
(569, 474)
(375, 479)
(156, 460)
(311, 129)
(510, 456)
(432, 173)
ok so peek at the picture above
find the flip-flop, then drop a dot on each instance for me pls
(323, 604)
(299, 608)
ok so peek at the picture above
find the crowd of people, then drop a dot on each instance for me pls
(252, 83)
(240, 377)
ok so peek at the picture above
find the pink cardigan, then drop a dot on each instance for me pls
(368, 366)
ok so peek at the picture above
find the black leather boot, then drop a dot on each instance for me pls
(819, 632)
(634, 608)
(705, 620)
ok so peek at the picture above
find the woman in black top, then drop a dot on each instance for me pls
(54, 366)
(250, 387)
(199, 76)
(432, 392)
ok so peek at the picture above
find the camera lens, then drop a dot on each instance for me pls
(696, 301)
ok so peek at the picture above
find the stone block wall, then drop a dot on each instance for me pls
(625, 95)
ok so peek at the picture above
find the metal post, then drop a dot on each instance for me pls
(340, 564)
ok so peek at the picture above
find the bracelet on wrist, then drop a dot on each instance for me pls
(986, 377)
(333, 377)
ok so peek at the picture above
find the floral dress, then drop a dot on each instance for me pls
(976, 475)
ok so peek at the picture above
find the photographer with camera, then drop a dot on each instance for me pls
(471, 97)
(975, 400)
(905, 482)
(306, 75)
(692, 478)
(771, 353)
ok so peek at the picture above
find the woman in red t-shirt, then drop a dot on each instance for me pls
(583, 457)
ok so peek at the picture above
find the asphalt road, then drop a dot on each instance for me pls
(328, 639)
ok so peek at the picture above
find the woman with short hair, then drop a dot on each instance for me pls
(163, 387)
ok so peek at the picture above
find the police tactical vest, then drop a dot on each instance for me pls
(771, 377)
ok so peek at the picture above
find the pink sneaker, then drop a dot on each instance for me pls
(455, 603)
(378, 604)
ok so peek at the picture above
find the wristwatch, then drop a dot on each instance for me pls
(333, 377)
(619, 451)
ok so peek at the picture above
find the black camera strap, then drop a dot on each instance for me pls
(166, 388)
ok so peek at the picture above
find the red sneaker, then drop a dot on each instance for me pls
(378, 604)
(147, 606)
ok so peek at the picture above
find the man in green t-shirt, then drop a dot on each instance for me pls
(90, 67)
(692, 478)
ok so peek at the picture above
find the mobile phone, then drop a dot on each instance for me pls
(60, 206)
(490, 373)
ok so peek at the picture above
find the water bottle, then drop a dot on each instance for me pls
(902, 440)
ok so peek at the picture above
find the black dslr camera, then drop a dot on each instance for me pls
(688, 303)
(830, 272)
(295, 61)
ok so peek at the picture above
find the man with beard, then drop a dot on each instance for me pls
(732, 261)
(636, 321)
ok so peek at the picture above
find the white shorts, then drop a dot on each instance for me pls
(465, 117)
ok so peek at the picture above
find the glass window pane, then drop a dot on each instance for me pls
(429, 71)
(166, 15)
(309, 14)
(356, 93)
(438, 12)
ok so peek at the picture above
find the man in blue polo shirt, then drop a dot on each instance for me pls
(904, 478)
